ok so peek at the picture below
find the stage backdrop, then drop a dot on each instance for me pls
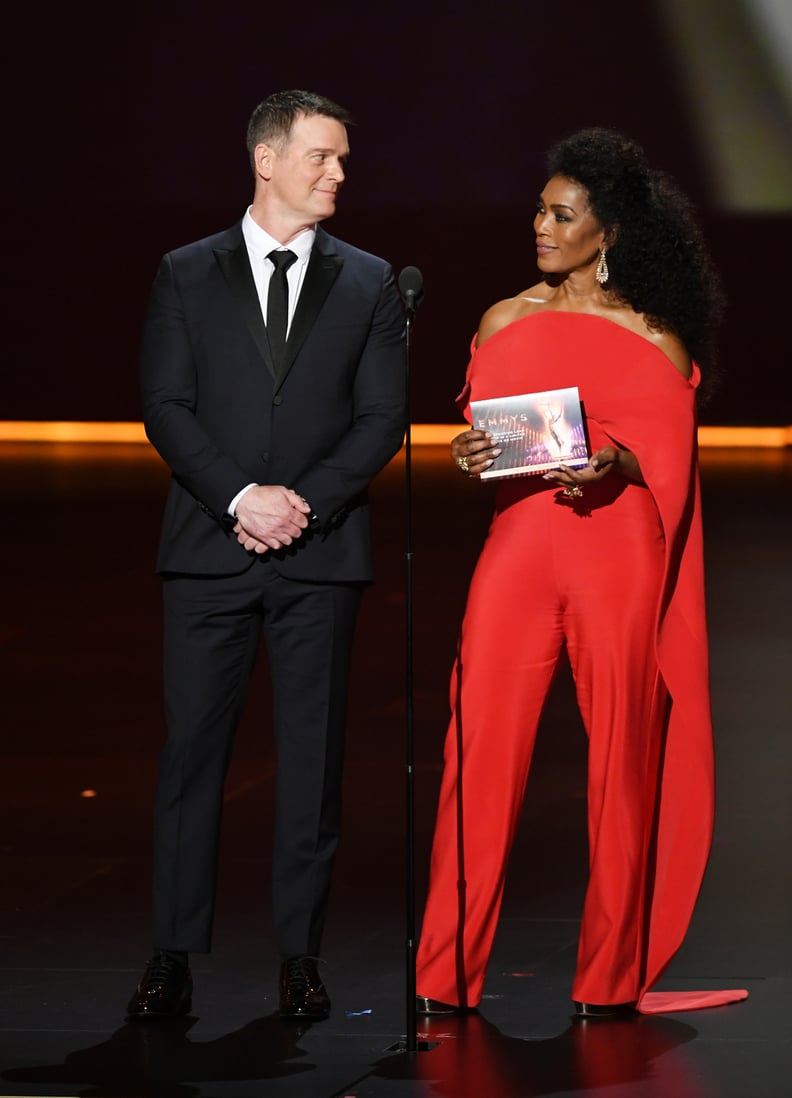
(125, 138)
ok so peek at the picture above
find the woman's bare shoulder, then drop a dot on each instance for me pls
(510, 309)
(667, 342)
(674, 349)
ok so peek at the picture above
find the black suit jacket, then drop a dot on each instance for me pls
(221, 419)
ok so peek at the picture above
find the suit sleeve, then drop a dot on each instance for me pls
(169, 391)
(378, 419)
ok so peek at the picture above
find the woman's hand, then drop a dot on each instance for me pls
(473, 452)
(600, 464)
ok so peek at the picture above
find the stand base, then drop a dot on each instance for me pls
(420, 1046)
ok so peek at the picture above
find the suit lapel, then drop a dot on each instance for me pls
(235, 266)
(323, 269)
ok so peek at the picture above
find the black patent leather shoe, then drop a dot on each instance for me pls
(604, 1010)
(164, 992)
(425, 1005)
(302, 992)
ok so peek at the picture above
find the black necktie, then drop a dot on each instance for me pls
(278, 304)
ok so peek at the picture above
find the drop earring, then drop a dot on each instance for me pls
(601, 274)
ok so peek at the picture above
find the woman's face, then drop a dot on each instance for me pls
(568, 235)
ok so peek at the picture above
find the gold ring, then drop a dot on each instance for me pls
(463, 464)
(575, 492)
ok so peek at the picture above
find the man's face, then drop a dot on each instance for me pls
(307, 173)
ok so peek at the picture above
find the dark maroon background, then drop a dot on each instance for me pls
(125, 138)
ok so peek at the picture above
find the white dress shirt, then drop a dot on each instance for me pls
(259, 244)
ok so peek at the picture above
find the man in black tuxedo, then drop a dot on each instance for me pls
(272, 374)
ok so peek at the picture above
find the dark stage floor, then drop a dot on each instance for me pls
(81, 711)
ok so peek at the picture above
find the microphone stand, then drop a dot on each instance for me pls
(411, 287)
(411, 1036)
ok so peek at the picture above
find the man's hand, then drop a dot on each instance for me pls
(270, 517)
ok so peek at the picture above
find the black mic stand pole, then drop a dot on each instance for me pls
(411, 287)
(411, 1036)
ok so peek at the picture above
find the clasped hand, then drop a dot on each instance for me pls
(270, 517)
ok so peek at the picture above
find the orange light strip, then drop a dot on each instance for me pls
(69, 431)
(421, 434)
(440, 434)
(770, 437)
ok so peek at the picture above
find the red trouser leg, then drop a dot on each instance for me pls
(510, 643)
(548, 572)
(610, 628)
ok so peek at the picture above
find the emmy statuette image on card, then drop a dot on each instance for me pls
(535, 431)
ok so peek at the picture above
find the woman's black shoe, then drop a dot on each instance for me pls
(424, 1005)
(604, 1010)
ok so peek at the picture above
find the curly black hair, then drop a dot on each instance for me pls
(658, 263)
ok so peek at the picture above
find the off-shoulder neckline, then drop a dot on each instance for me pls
(591, 316)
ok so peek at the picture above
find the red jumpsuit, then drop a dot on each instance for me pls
(617, 578)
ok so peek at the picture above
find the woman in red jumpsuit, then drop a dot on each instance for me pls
(605, 561)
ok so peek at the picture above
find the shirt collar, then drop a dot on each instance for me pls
(260, 243)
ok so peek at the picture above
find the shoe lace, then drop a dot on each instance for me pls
(297, 974)
(159, 969)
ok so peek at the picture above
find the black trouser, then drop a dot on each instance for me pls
(212, 632)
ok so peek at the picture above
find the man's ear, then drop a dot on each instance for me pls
(262, 158)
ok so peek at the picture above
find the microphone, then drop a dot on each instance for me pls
(411, 289)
